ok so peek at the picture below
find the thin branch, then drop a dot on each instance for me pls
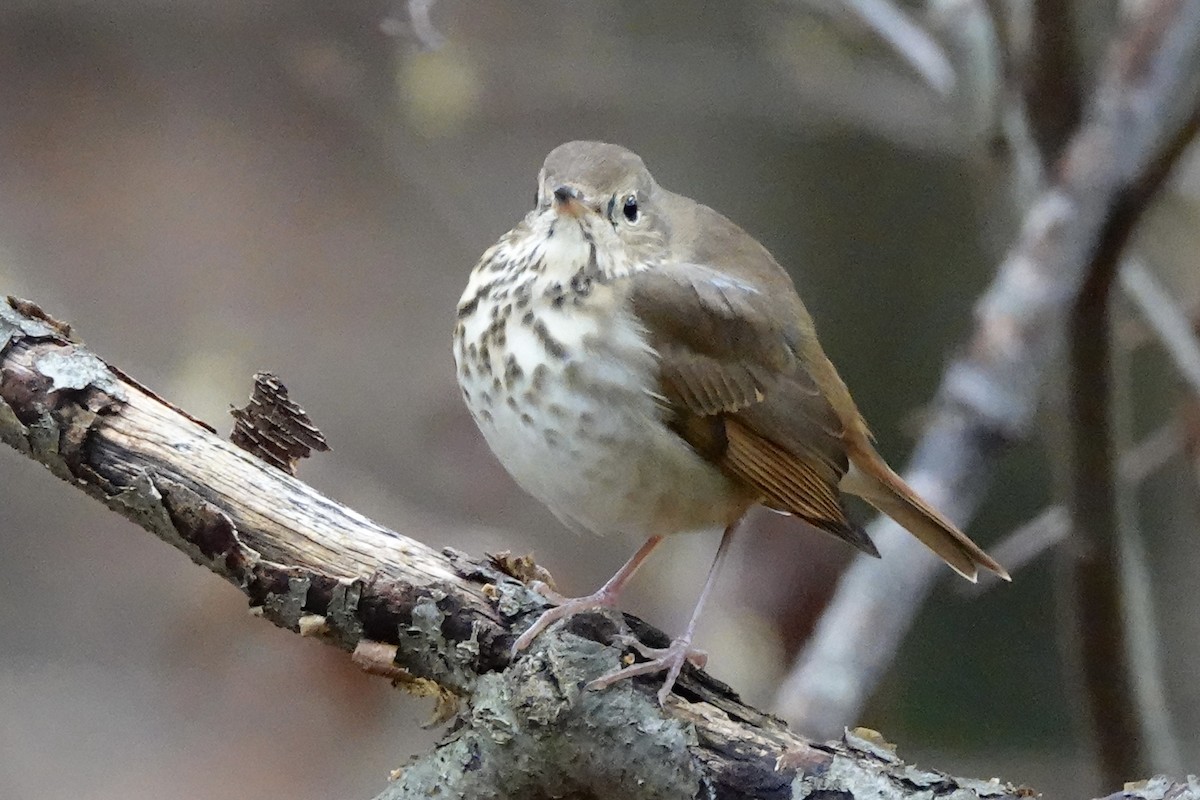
(1144, 644)
(1152, 453)
(1164, 315)
(989, 394)
(908, 39)
(1050, 528)
(415, 20)
(439, 624)
(1024, 545)
(1099, 571)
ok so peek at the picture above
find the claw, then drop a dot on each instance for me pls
(665, 659)
(543, 588)
(604, 597)
(567, 606)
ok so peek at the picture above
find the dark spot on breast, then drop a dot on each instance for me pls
(552, 437)
(511, 402)
(467, 309)
(555, 293)
(526, 419)
(555, 410)
(581, 282)
(572, 375)
(540, 373)
(552, 346)
(512, 371)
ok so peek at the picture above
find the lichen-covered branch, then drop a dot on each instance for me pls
(435, 622)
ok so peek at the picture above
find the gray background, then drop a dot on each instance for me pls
(209, 189)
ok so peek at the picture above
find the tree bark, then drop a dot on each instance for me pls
(437, 623)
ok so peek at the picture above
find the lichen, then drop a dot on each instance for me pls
(535, 730)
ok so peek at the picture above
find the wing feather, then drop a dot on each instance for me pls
(729, 353)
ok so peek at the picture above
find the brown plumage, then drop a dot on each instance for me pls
(640, 364)
(738, 348)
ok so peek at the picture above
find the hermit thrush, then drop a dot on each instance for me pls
(642, 365)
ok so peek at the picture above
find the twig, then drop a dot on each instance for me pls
(422, 24)
(1136, 581)
(1025, 544)
(419, 24)
(437, 623)
(1050, 528)
(1163, 314)
(910, 41)
(990, 392)
(1152, 453)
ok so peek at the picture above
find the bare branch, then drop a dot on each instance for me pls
(1173, 327)
(438, 624)
(990, 392)
(1104, 564)
(1024, 545)
(910, 41)
(1152, 453)
(414, 20)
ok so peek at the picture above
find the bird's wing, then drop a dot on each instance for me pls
(732, 374)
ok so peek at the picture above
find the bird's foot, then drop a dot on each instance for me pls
(564, 607)
(668, 659)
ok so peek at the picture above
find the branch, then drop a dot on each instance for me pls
(989, 393)
(1100, 601)
(908, 39)
(1163, 314)
(435, 623)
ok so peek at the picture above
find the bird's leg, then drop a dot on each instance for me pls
(604, 597)
(671, 659)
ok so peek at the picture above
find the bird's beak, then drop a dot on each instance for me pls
(568, 201)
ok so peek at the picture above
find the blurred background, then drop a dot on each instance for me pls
(209, 189)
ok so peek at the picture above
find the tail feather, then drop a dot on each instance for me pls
(874, 481)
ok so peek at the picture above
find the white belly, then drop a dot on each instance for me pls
(575, 422)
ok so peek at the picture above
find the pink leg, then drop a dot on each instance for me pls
(671, 659)
(604, 597)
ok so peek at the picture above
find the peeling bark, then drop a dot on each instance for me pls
(437, 623)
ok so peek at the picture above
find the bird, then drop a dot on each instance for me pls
(643, 366)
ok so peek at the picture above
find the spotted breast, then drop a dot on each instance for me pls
(562, 383)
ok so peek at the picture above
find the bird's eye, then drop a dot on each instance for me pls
(630, 208)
